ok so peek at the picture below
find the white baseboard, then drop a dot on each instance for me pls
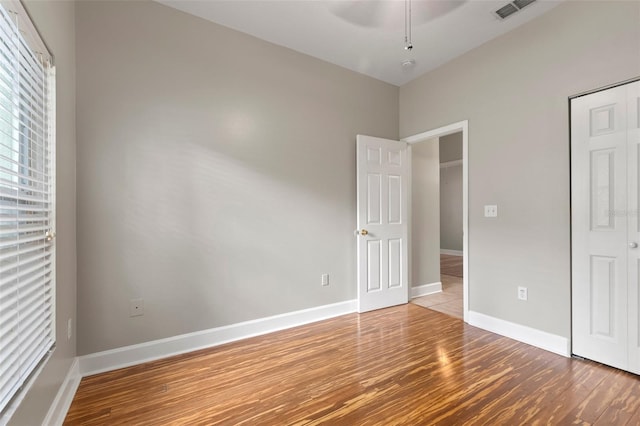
(149, 351)
(61, 403)
(531, 336)
(452, 252)
(426, 289)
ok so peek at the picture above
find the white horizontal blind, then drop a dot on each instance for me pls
(27, 287)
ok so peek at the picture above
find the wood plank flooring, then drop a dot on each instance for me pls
(451, 265)
(405, 365)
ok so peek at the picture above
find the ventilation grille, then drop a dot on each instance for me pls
(511, 8)
(522, 3)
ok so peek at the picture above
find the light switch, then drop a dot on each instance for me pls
(490, 211)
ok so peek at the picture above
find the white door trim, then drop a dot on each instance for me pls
(462, 126)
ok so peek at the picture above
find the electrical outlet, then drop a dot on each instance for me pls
(69, 329)
(490, 211)
(136, 307)
(522, 293)
(325, 279)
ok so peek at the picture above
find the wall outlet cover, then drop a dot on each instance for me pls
(522, 293)
(491, 210)
(325, 279)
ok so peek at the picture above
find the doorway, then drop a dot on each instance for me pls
(452, 287)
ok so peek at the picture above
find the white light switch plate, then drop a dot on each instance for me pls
(490, 211)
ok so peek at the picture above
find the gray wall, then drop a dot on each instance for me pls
(216, 174)
(451, 147)
(514, 91)
(55, 21)
(425, 213)
(451, 208)
(451, 193)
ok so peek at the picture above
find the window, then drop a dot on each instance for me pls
(27, 161)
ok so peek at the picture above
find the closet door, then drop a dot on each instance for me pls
(633, 232)
(605, 223)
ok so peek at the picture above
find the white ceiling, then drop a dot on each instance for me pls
(367, 36)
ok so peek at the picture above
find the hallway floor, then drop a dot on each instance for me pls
(449, 301)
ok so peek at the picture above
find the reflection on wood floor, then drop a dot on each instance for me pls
(401, 365)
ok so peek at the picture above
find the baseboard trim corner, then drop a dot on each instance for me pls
(452, 252)
(426, 289)
(531, 336)
(61, 403)
(127, 356)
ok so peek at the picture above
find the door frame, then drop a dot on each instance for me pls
(460, 126)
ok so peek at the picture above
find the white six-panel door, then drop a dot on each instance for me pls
(382, 187)
(605, 223)
(633, 230)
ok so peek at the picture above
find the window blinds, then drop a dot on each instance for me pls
(27, 159)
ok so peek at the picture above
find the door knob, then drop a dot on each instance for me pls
(364, 232)
(633, 245)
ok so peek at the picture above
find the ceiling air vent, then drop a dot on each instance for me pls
(511, 8)
(506, 10)
(522, 3)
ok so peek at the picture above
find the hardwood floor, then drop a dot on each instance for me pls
(401, 365)
(451, 265)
